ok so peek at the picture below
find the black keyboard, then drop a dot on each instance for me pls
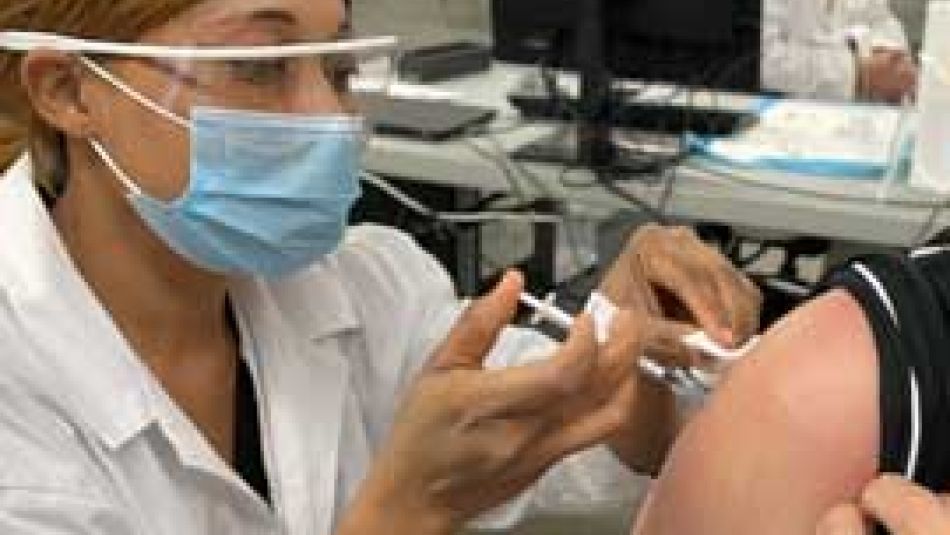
(428, 120)
(663, 118)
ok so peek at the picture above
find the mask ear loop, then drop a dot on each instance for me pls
(116, 169)
(139, 98)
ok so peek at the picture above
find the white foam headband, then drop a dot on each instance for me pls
(20, 41)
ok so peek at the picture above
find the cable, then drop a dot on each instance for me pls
(491, 128)
(666, 166)
(454, 217)
(743, 262)
(560, 101)
(543, 190)
(497, 160)
(670, 184)
(519, 167)
(723, 76)
(608, 184)
(660, 165)
(562, 106)
(476, 132)
(512, 170)
(921, 236)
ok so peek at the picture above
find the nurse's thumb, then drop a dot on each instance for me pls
(478, 328)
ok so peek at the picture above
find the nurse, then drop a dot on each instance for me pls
(192, 341)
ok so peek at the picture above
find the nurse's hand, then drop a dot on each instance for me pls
(670, 273)
(902, 507)
(468, 439)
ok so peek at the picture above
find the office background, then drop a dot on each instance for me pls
(421, 22)
(433, 20)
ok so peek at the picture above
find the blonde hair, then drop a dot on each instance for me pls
(115, 20)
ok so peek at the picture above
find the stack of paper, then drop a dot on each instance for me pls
(816, 138)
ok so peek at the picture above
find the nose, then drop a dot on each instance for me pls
(316, 92)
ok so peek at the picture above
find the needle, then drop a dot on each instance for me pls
(681, 380)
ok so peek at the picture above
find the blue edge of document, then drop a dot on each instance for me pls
(701, 145)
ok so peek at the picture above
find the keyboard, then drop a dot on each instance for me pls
(649, 117)
(427, 120)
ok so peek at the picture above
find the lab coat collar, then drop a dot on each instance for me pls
(69, 331)
(315, 299)
(304, 395)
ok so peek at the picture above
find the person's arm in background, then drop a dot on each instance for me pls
(791, 432)
(886, 71)
(875, 21)
(803, 53)
(842, 49)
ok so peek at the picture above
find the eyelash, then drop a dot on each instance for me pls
(262, 72)
(340, 77)
(277, 71)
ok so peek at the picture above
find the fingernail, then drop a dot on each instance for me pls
(507, 279)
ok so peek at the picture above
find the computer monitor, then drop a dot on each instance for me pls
(696, 43)
(693, 43)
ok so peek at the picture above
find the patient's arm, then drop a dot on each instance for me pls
(793, 431)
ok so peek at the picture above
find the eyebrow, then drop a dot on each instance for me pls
(273, 15)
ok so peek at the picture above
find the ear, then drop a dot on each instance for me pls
(53, 82)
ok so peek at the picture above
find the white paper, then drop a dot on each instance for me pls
(793, 130)
(931, 168)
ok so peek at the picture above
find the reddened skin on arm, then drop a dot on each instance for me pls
(793, 431)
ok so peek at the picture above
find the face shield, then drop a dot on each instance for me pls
(301, 78)
(276, 139)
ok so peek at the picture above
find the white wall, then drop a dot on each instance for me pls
(912, 13)
(423, 21)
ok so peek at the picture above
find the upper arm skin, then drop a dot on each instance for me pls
(793, 431)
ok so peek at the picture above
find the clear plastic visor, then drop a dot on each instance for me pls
(300, 78)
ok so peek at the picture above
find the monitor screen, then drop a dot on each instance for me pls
(698, 43)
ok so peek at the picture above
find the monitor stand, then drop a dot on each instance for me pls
(644, 155)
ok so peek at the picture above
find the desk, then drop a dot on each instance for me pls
(838, 210)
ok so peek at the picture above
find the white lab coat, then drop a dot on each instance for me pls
(90, 443)
(805, 50)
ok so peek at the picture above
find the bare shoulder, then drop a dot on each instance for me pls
(791, 432)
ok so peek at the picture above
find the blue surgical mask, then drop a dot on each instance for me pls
(269, 193)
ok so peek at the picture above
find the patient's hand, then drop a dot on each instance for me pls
(792, 431)
(902, 507)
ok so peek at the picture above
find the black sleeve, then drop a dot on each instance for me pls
(905, 303)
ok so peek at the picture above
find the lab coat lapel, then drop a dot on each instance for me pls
(43, 295)
(302, 383)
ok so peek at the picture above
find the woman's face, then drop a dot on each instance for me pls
(155, 151)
